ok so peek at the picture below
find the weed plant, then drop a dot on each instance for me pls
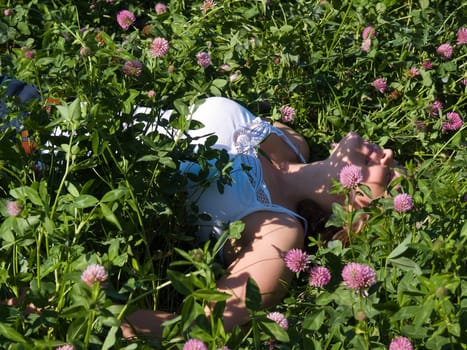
(99, 184)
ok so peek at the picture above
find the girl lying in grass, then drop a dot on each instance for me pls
(271, 180)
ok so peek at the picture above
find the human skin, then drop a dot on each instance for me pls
(377, 166)
(268, 236)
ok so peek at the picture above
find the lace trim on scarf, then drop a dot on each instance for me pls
(247, 140)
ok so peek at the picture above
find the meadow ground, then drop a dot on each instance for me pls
(94, 224)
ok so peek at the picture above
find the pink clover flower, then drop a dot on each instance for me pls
(159, 47)
(403, 202)
(400, 343)
(194, 344)
(380, 85)
(462, 36)
(94, 273)
(454, 122)
(125, 19)
(279, 318)
(350, 176)
(358, 276)
(203, 59)
(287, 113)
(319, 276)
(445, 51)
(296, 260)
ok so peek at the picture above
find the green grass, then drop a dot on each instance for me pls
(109, 194)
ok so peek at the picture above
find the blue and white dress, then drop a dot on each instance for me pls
(239, 133)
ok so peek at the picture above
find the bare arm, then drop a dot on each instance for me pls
(267, 238)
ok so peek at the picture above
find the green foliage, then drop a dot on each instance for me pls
(104, 187)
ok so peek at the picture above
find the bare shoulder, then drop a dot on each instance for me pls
(279, 150)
